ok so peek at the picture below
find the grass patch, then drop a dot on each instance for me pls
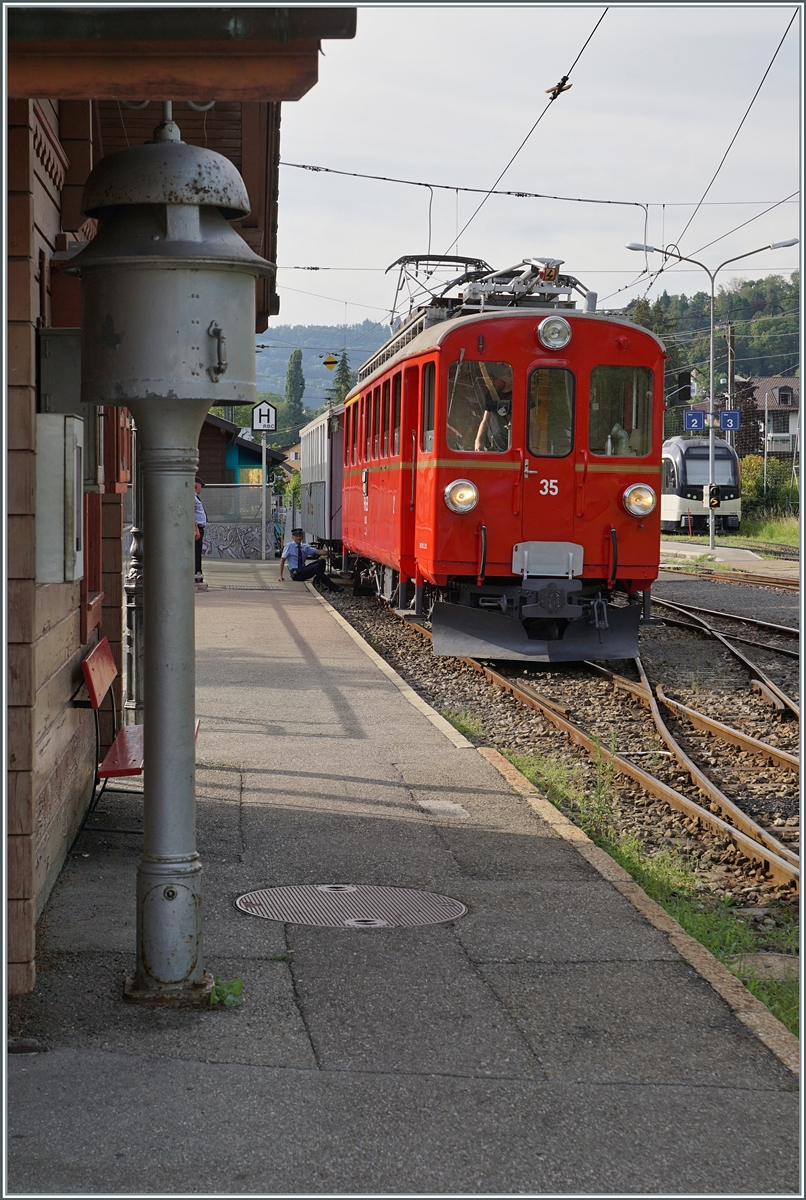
(667, 878)
(785, 530)
(782, 997)
(468, 725)
(782, 530)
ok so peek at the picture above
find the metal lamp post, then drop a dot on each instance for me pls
(168, 319)
(712, 276)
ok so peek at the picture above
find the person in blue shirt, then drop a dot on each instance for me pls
(297, 553)
(200, 517)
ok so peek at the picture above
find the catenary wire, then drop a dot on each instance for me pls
(518, 194)
(749, 221)
(556, 92)
(741, 123)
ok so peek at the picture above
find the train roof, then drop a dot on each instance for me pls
(419, 334)
(334, 410)
(682, 444)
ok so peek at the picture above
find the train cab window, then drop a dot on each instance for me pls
(669, 477)
(385, 421)
(620, 416)
(479, 409)
(376, 422)
(696, 466)
(551, 412)
(427, 430)
(396, 414)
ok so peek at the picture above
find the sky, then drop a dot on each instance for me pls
(446, 94)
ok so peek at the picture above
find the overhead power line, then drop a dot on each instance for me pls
(556, 91)
(747, 222)
(736, 134)
(450, 187)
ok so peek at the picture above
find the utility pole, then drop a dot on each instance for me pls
(263, 496)
(766, 421)
(730, 338)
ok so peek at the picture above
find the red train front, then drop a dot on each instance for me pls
(502, 453)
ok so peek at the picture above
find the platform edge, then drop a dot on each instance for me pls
(439, 722)
(754, 1015)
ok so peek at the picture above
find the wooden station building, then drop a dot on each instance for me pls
(69, 71)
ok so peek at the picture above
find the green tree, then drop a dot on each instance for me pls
(294, 385)
(343, 381)
(291, 415)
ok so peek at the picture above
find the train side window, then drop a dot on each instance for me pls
(354, 433)
(479, 408)
(376, 422)
(367, 425)
(669, 477)
(427, 434)
(551, 412)
(620, 416)
(385, 421)
(396, 414)
(348, 418)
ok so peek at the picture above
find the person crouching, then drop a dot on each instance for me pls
(297, 553)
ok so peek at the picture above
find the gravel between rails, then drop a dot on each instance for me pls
(701, 674)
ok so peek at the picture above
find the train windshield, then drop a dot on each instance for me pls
(479, 409)
(697, 466)
(551, 412)
(620, 420)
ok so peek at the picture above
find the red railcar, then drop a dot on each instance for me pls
(502, 453)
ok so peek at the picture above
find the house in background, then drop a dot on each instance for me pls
(778, 405)
(226, 457)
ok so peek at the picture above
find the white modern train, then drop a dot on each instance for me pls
(685, 473)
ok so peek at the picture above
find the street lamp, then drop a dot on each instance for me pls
(712, 276)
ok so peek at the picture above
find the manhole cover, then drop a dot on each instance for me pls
(252, 587)
(350, 906)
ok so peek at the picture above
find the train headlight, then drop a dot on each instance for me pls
(461, 496)
(639, 499)
(554, 333)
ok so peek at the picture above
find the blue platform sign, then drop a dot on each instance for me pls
(693, 420)
(729, 419)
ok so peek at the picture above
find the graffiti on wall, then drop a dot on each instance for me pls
(238, 541)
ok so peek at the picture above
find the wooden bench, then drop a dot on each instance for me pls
(125, 756)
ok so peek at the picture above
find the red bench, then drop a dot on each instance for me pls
(125, 756)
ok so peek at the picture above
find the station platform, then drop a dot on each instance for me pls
(735, 558)
(551, 1041)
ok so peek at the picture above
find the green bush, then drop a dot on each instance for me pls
(757, 506)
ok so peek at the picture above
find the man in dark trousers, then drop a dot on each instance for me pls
(296, 553)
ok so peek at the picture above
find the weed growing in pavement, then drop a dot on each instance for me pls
(228, 993)
(465, 722)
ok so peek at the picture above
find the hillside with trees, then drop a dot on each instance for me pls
(764, 313)
(315, 342)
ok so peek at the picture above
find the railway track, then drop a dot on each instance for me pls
(753, 579)
(724, 817)
(771, 691)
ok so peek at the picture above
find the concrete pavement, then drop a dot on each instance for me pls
(550, 1041)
